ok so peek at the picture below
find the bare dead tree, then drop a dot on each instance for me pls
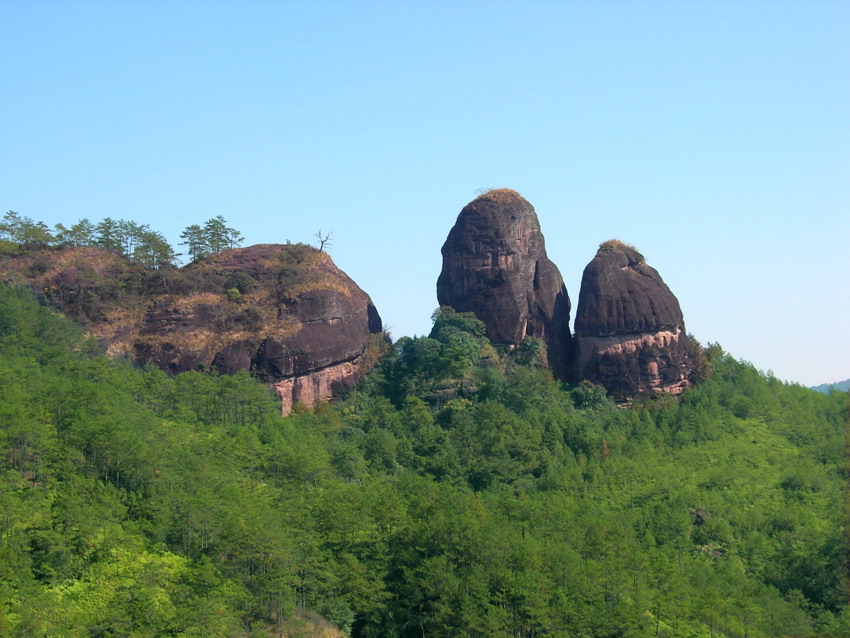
(324, 239)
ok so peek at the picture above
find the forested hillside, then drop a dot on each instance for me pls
(458, 490)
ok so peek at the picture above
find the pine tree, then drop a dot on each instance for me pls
(153, 251)
(219, 236)
(109, 235)
(25, 231)
(194, 240)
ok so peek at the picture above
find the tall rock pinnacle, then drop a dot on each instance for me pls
(495, 265)
(630, 332)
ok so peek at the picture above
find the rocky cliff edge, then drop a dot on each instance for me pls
(284, 312)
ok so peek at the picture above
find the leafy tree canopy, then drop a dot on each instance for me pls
(458, 490)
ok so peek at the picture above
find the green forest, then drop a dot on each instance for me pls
(138, 243)
(458, 490)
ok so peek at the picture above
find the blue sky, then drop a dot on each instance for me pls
(713, 136)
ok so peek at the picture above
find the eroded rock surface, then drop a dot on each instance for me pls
(630, 332)
(495, 265)
(284, 312)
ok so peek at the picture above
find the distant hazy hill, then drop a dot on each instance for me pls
(841, 386)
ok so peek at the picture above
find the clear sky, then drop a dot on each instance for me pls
(713, 136)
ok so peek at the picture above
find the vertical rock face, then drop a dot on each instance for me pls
(302, 323)
(495, 265)
(630, 332)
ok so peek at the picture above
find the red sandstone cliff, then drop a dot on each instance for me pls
(630, 332)
(284, 312)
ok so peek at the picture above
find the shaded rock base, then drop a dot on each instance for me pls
(318, 385)
(638, 363)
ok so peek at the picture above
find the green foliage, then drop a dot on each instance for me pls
(704, 359)
(80, 234)
(24, 231)
(109, 235)
(457, 491)
(137, 242)
(211, 238)
(448, 322)
(193, 239)
(152, 251)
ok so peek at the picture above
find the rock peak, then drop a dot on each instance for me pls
(495, 265)
(621, 248)
(629, 328)
(500, 195)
